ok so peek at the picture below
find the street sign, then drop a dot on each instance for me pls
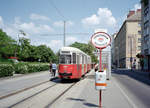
(101, 40)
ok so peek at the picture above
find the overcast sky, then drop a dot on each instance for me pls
(42, 20)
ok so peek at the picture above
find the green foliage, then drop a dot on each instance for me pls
(24, 68)
(6, 70)
(21, 68)
(145, 2)
(7, 45)
(87, 48)
(38, 67)
(24, 50)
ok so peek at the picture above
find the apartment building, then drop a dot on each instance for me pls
(112, 50)
(127, 43)
(145, 24)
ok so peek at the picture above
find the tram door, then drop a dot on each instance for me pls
(78, 65)
(82, 64)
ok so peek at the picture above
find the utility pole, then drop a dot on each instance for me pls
(64, 33)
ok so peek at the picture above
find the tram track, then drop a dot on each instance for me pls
(32, 96)
(54, 100)
(24, 94)
(22, 90)
(30, 101)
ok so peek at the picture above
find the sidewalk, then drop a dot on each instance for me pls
(84, 95)
(144, 73)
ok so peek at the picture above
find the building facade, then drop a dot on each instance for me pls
(127, 43)
(113, 51)
(145, 23)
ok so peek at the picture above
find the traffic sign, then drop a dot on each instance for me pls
(101, 40)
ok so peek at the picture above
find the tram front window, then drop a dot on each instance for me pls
(65, 59)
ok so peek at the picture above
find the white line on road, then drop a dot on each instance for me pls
(127, 97)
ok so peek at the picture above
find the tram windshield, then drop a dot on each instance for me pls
(65, 59)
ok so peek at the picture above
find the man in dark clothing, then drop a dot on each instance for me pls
(54, 67)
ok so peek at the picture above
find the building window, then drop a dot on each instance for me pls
(139, 24)
(146, 24)
(139, 32)
(146, 38)
(146, 51)
(139, 40)
(146, 11)
(139, 48)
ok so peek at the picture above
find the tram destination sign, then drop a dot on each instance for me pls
(100, 40)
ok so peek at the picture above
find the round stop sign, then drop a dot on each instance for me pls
(101, 40)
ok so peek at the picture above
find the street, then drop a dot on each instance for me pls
(123, 91)
(136, 86)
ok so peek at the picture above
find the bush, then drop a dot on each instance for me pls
(21, 68)
(6, 70)
(37, 67)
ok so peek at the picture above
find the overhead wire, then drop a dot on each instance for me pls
(58, 11)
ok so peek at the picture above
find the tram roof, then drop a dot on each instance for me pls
(72, 49)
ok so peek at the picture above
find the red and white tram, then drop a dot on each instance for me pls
(73, 63)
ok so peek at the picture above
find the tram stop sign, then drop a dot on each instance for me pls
(101, 40)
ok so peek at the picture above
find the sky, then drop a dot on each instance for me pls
(42, 20)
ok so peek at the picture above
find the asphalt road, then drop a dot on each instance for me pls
(136, 86)
(126, 89)
(11, 85)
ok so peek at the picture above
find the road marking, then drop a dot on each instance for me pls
(127, 97)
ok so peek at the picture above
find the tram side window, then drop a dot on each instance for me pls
(74, 58)
(82, 59)
(65, 59)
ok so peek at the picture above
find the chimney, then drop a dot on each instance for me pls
(130, 13)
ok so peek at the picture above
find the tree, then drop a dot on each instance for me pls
(87, 48)
(24, 49)
(7, 45)
(141, 57)
(45, 54)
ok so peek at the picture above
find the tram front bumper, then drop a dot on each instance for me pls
(65, 74)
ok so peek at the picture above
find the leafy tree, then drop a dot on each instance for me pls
(87, 48)
(24, 49)
(7, 45)
(45, 54)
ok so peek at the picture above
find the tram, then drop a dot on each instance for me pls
(73, 63)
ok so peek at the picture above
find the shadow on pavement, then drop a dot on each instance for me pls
(84, 102)
(76, 99)
(142, 77)
(90, 105)
(58, 80)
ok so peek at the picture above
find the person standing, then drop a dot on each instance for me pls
(54, 67)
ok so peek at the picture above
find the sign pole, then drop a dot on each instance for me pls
(100, 40)
(100, 70)
(100, 60)
(100, 99)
